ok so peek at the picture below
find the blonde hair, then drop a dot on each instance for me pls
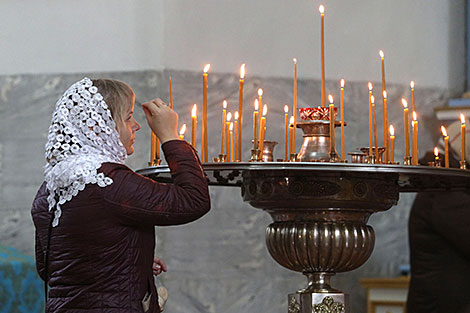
(117, 95)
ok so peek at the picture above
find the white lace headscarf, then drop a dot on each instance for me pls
(81, 137)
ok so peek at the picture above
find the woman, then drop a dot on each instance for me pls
(95, 217)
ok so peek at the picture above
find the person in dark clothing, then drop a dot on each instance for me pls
(439, 242)
(95, 217)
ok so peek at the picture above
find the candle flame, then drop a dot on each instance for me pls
(183, 129)
(242, 71)
(330, 98)
(265, 109)
(436, 151)
(462, 118)
(381, 53)
(321, 8)
(286, 109)
(236, 115)
(231, 127)
(412, 84)
(256, 104)
(229, 116)
(194, 110)
(370, 86)
(295, 60)
(224, 104)
(260, 92)
(291, 120)
(372, 99)
(415, 116)
(342, 83)
(392, 130)
(206, 68)
(385, 94)
(404, 102)
(444, 131)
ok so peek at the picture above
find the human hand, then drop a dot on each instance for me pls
(162, 120)
(158, 266)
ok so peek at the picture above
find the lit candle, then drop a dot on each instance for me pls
(255, 125)
(291, 134)
(436, 157)
(412, 86)
(370, 122)
(204, 114)
(385, 122)
(407, 128)
(263, 129)
(322, 14)
(462, 135)
(414, 125)
(286, 138)
(294, 109)
(227, 125)
(382, 58)
(240, 110)
(236, 151)
(171, 94)
(224, 117)
(376, 148)
(332, 127)
(342, 118)
(446, 146)
(194, 125)
(392, 144)
(182, 131)
(231, 141)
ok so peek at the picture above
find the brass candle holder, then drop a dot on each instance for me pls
(155, 162)
(255, 155)
(407, 160)
(463, 165)
(221, 158)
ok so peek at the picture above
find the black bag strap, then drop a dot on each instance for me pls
(46, 259)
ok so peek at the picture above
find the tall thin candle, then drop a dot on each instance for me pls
(194, 126)
(255, 125)
(342, 119)
(263, 130)
(153, 147)
(370, 122)
(227, 131)
(332, 128)
(414, 155)
(224, 118)
(323, 95)
(376, 147)
(235, 129)
(385, 125)
(291, 134)
(412, 86)
(392, 144)
(260, 99)
(171, 94)
(462, 135)
(240, 110)
(231, 142)
(382, 58)
(286, 129)
(294, 109)
(446, 146)
(407, 128)
(204, 114)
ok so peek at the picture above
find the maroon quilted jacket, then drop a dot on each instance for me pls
(101, 253)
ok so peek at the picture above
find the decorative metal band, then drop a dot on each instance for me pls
(320, 246)
(328, 305)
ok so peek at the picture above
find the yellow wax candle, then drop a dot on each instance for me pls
(414, 155)
(392, 144)
(171, 94)
(260, 99)
(332, 125)
(231, 141)
(227, 132)
(446, 146)
(182, 131)
(235, 129)
(322, 14)
(240, 112)
(382, 58)
(436, 156)
(263, 130)
(386, 127)
(153, 147)
(157, 147)
(407, 127)
(462, 135)
(224, 118)
(370, 121)
(286, 138)
(204, 114)
(342, 119)
(255, 125)
(412, 86)
(376, 148)
(194, 126)
(294, 109)
(291, 134)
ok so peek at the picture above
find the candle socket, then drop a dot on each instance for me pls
(293, 157)
(435, 163)
(221, 158)
(255, 155)
(393, 163)
(463, 165)
(371, 159)
(155, 162)
(407, 160)
(333, 156)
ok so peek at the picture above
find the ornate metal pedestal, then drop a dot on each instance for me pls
(320, 213)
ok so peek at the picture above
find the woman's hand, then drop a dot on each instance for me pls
(158, 266)
(162, 120)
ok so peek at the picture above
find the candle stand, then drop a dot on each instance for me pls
(320, 212)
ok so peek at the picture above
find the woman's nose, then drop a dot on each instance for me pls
(137, 126)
